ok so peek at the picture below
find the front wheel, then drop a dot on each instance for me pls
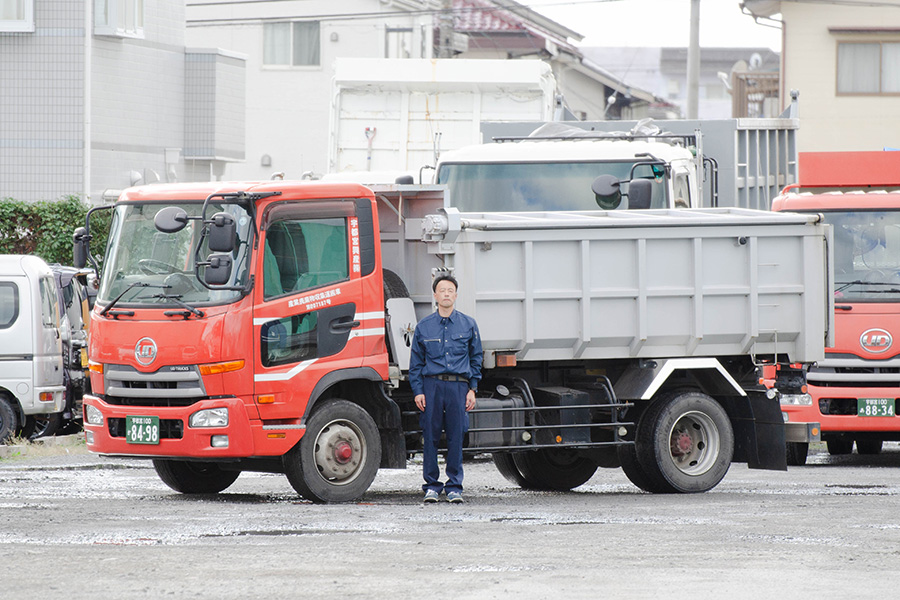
(338, 457)
(190, 477)
(797, 452)
(869, 446)
(685, 442)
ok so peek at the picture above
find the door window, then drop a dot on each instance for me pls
(304, 254)
(49, 303)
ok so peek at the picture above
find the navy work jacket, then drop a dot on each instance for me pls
(449, 345)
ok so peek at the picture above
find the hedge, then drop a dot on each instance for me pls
(45, 228)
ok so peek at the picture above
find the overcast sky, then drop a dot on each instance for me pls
(657, 22)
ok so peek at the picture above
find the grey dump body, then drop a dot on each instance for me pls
(568, 286)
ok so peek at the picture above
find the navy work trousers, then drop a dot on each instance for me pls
(445, 409)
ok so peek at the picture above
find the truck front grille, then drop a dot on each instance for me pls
(169, 386)
(847, 370)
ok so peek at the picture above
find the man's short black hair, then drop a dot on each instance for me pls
(444, 277)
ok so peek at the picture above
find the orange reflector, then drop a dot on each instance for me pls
(268, 399)
(95, 367)
(815, 431)
(276, 436)
(506, 360)
(223, 367)
(803, 388)
(559, 439)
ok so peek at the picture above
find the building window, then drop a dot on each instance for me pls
(16, 15)
(868, 68)
(398, 42)
(291, 44)
(119, 18)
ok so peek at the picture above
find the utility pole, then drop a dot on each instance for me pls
(693, 62)
(445, 30)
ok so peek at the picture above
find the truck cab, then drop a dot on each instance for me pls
(31, 353)
(853, 391)
(557, 174)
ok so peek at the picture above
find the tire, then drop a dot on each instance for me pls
(394, 286)
(38, 426)
(636, 473)
(9, 423)
(869, 446)
(685, 443)
(797, 453)
(839, 447)
(338, 457)
(557, 469)
(190, 477)
(507, 467)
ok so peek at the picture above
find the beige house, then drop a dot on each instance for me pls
(844, 59)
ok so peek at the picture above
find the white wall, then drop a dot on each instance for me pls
(829, 122)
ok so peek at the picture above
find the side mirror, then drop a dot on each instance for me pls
(639, 194)
(171, 219)
(607, 192)
(218, 271)
(222, 232)
(79, 248)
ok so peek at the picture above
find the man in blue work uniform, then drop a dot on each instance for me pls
(444, 371)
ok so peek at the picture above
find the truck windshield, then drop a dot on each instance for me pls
(138, 253)
(866, 255)
(516, 187)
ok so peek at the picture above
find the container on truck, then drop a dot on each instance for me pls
(265, 327)
(853, 391)
(31, 352)
(390, 116)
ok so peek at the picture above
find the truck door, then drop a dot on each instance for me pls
(48, 355)
(310, 303)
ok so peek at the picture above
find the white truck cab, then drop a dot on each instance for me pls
(557, 174)
(31, 356)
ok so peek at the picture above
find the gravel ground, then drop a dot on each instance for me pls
(81, 526)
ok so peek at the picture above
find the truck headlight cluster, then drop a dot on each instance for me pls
(92, 415)
(796, 400)
(210, 417)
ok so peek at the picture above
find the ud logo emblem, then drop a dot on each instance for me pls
(145, 351)
(875, 340)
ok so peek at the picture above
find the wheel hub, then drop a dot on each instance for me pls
(339, 452)
(682, 443)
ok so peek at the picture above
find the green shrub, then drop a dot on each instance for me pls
(45, 228)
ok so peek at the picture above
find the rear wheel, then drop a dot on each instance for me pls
(37, 426)
(554, 468)
(797, 453)
(338, 457)
(8, 420)
(685, 442)
(507, 467)
(190, 477)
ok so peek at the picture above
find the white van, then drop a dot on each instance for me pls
(31, 354)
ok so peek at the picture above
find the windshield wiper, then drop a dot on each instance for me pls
(874, 283)
(139, 284)
(176, 298)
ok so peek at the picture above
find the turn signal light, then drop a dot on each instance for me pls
(506, 359)
(46, 397)
(223, 367)
(267, 399)
(276, 436)
(95, 367)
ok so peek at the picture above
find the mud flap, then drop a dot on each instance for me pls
(759, 438)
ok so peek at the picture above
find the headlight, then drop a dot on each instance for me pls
(92, 415)
(796, 400)
(211, 417)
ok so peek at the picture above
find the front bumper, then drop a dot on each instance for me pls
(842, 423)
(178, 439)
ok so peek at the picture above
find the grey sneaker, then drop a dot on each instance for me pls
(455, 498)
(431, 497)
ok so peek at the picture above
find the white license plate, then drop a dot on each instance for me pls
(141, 430)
